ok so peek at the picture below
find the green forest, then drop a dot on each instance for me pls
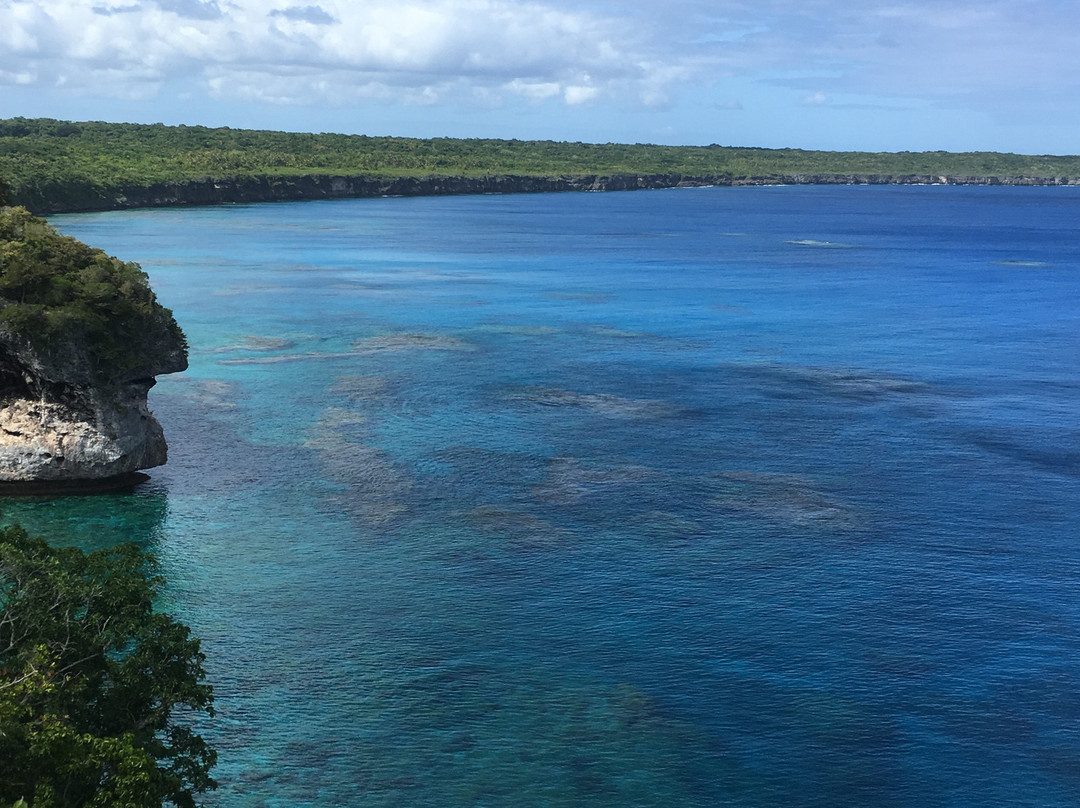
(42, 157)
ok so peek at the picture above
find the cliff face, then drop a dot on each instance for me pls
(63, 197)
(81, 339)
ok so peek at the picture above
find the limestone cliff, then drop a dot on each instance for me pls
(82, 337)
(60, 196)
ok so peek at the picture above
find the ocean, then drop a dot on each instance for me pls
(694, 497)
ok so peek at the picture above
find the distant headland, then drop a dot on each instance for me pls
(52, 166)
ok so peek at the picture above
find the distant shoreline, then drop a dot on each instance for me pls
(52, 166)
(78, 198)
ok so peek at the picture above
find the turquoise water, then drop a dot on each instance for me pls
(752, 497)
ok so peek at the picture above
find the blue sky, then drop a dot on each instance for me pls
(883, 75)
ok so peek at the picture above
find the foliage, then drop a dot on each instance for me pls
(90, 678)
(44, 159)
(53, 286)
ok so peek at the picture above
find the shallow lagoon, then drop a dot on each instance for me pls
(763, 496)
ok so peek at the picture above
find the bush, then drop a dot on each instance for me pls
(90, 677)
(54, 290)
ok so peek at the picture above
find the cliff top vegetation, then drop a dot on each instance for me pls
(56, 291)
(40, 154)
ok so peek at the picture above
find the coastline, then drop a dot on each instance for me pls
(61, 197)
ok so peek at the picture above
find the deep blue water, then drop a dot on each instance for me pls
(750, 497)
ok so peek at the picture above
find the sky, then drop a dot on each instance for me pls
(876, 75)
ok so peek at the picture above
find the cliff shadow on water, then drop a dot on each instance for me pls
(92, 521)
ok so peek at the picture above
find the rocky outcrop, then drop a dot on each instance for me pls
(74, 197)
(59, 422)
(74, 374)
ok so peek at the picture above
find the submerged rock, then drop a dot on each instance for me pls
(82, 337)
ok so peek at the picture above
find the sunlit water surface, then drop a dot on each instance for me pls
(749, 497)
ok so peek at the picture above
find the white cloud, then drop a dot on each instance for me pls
(1012, 58)
(331, 51)
(657, 89)
(285, 87)
(423, 96)
(316, 15)
(580, 94)
(534, 90)
(21, 77)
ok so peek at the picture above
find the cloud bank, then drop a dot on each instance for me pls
(1008, 60)
(337, 52)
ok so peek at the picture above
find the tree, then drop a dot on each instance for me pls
(90, 677)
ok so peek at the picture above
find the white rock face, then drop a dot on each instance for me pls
(63, 422)
(46, 441)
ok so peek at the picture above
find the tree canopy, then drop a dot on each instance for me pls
(91, 679)
(52, 285)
